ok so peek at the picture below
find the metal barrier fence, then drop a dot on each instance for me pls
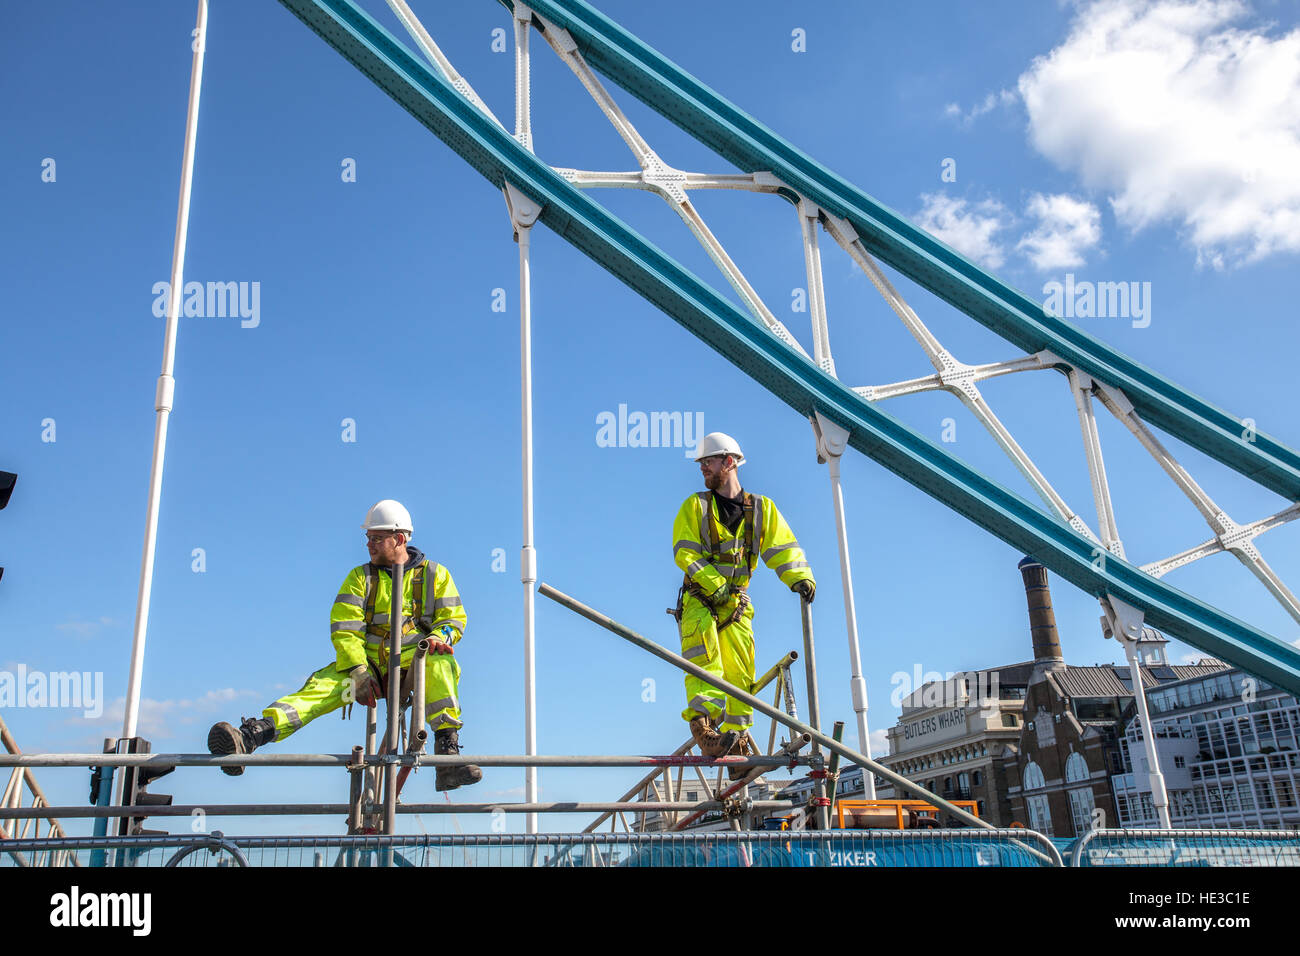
(1006, 848)
(1187, 848)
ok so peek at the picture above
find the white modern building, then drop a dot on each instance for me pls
(1229, 749)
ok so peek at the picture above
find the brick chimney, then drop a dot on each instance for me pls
(1042, 621)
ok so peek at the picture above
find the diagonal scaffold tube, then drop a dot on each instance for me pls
(830, 743)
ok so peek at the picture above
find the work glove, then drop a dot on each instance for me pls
(806, 589)
(442, 643)
(365, 686)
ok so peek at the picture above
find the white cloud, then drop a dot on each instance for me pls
(85, 629)
(160, 719)
(967, 227)
(1183, 116)
(879, 743)
(990, 102)
(1067, 227)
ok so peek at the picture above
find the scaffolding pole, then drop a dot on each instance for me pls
(342, 809)
(777, 668)
(346, 761)
(862, 760)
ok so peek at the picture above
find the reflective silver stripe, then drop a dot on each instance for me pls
(350, 599)
(347, 626)
(740, 720)
(699, 700)
(440, 603)
(294, 720)
(430, 581)
(696, 652)
(415, 637)
(729, 545)
(696, 566)
(380, 619)
(737, 571)
(437, 705)
(705, 497)
(772, 552)
(790, 565)
(445, 720)
(691, 545)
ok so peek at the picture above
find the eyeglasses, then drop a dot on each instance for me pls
(714, 459)
(380, 537)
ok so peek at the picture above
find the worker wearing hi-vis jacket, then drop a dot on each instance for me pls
(359, 629)
(718, 537)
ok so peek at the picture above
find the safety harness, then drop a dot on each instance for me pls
(416, 626)
(750, 547)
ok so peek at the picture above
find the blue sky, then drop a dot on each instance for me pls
(1121, 141)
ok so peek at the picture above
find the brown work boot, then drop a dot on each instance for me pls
(447, 741)
(710, 742)
(744, 748)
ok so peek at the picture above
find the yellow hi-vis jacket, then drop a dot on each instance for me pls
(359, 619)
(712, 556)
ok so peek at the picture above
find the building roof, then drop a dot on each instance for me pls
(1104, 680)
(1012, 675)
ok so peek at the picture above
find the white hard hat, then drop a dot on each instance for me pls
(388, 515)
(717, 443)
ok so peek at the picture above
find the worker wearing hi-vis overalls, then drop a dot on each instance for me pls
(359, 629)
(718, 537)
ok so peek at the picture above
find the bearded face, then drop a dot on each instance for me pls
(714, 470)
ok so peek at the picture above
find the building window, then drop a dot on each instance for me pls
(978, 778)
(1076, 768)
(1008, 720)
(691, 794)
(1081, 806)
(1040, 816)
(1033, 778)
(1180, 762)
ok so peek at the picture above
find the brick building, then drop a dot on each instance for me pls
(1059, 772)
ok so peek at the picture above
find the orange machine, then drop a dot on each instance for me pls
(892, 814)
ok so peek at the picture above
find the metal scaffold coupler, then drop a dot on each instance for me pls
(358, 762)
(736, 807)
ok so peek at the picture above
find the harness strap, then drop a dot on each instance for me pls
(420, 585)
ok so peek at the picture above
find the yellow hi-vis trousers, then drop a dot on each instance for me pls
(729, 654)
(329, 689)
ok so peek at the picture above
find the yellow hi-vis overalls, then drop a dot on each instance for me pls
(712, 556)
(359, 630)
